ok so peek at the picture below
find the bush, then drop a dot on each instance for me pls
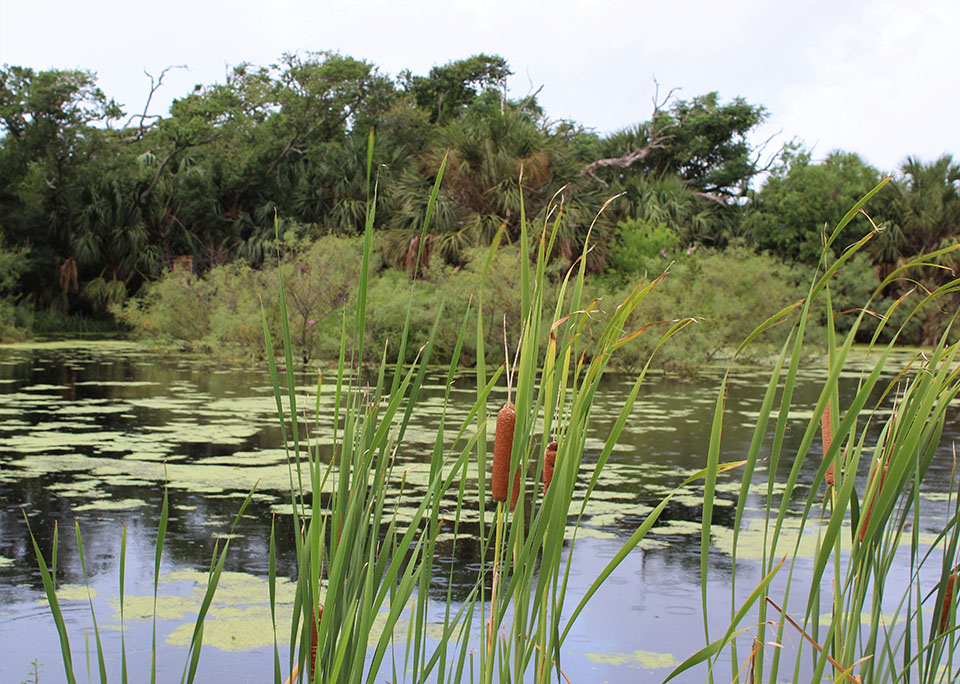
(641, 247)
(15, 320)
(728, 293)
(219, 313)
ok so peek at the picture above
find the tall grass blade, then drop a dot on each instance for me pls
(101, 665)
(48, 578)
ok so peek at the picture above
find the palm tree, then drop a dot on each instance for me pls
(487, 150)
(928, 204)
(925, 216)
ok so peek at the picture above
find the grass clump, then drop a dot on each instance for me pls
(357, 555)
(877, 449)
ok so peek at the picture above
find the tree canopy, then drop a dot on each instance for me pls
(95, 207)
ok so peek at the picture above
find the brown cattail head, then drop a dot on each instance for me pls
(947, 602)
(866, 517)
(826, 433)
(549, 461)
(502, 446)
(515, 494)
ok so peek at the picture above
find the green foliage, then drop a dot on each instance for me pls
(11, 265)
(728, 293)
(641, 247)
(220, 312)
(98, 212)
(703, 141)
(15, 320)
(669, 200)
(926, 211)
(449, 88)
(801, 199)
(54, 323)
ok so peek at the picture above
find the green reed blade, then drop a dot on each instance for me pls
(213, 579)
(53, 551)
(93, 616)
(272, 585)
(49, 588)
(196, 640)
(431, 203)
(854, 210)
(709, 489)
(635, 539)
(123, 630)
(711, 650)
(370, 141)
(361, 319)
(161, 536)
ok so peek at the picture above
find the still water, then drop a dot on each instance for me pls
(90, 432)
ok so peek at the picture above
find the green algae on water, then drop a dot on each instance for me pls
(647, 660)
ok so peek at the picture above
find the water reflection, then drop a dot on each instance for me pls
(91, 433)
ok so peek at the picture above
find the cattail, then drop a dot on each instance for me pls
(826, 431)
(866, 517)
(947, 602)
(314, 644)
(502, 447)
(549, 460)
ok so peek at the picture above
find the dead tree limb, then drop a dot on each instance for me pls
(659, 131)
(155, 84)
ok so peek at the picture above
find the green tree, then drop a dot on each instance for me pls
(926, 208)
(924, 212)
(452, 87)
(486, 152)
(53, 124)
(702, 141)
(800, 200)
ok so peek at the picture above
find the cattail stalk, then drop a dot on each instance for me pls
(549, 461)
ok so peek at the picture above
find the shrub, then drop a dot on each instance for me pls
(728, 293)
(15, 320)
(641, 247)
(219, 312)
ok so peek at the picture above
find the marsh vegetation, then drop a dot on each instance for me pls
(867, 558)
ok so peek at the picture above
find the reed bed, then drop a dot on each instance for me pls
(356, 558)
(849, 620)
(362, 609)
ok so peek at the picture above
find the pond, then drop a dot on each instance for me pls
(91, 431)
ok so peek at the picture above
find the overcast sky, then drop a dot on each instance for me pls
(881, 78)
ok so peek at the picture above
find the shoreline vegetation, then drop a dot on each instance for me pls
(161, 224)
(356, 557)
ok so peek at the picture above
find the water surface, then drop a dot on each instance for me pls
(91, 432)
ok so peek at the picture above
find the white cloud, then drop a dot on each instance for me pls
(875, 77)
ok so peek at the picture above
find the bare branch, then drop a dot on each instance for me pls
(709, 196)
(657, 103)
(155, 84)
(771, 160)
(658, 134)
(529, 98)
